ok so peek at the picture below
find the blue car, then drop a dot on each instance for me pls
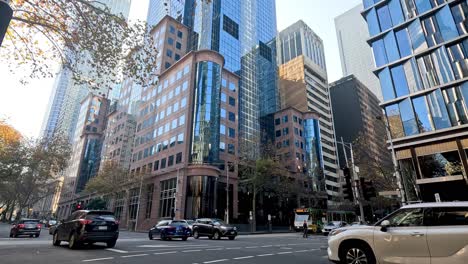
(169, 229)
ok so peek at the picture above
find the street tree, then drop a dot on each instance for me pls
(109, 180)
(96, 46)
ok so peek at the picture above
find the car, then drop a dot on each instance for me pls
(51, 223)
(190, 223)
(213, 229)
(26, 227)
(169, 229)
(87, 226)
(435, 233)
(332, 226)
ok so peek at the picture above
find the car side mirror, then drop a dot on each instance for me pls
(384, 225)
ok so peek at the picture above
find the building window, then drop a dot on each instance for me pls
(149, 200)
(170, 161)
(407, 117)
(384, 18)
(222, 146)
(232, 132)
(380, 54)
(285, 119)
(277, 121)
(286, 131)
(222, 129)
(278, 133)
(399, 81)
(372, 22)
(230, 27)
(167, 65)
(169, 53)
(223, 97)
(231, 149)
(173, 142)
(180, 138)
(232, 101)
(133, 204)
(178, 45)
(167, 197)
(232, 117)
(180, 34)
(119, 205)
(163, 163)
(295, 119)
(177, 57)
(170, 41)
(440, 165)
(223, 113)
(422, 114)
(178, 158)
(156, 165)
(172, 29)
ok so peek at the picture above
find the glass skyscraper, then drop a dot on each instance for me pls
(160, 8)
(421, 58)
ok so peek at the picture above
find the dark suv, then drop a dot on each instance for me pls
(87, 227)
(213, 229)
(26, 227)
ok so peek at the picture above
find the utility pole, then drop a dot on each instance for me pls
(227, 192)
(176, 192)
(6, 13)
(139, 202)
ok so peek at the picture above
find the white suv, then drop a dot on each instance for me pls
(427, 233)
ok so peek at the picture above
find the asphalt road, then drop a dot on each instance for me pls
(136, 248)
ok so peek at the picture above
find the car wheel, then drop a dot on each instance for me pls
(357, 254)
(162, 236)
(55, 240)
(232, 238)
(73, 243)
(217, 235)
(111, 244)
(37, 235)
(196, 235)
(184, 238)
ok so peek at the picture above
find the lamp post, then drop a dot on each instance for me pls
(396, 167)
(357, 193)
(6, 13)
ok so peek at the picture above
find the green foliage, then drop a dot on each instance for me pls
(96, 204)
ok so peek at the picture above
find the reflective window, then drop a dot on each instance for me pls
(423, 5)
(413, 77)
(455, 106)
(440, 165)
(459, 12)
(443, 65)
(386, 85)
(380, 55)
(394, 120)
(395, 12)
(372, 22)
(407, 217)
(232, 132)
(391, 47)
(399, 81)
(222, 129)
(438, 110)
(428, 72)
(232, 117)
(464, 93)
(223, 97)
(458, 55)
(447, 216)
(384, 18)
(416, 33)
(222, 146)
(422, 114)
(223, 113)
(404, 44)
(446, 24)
(409, 8)
(368, 3)
(432, 32)
(407, 117)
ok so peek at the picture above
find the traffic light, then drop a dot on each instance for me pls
(348, 187)
(368, 189)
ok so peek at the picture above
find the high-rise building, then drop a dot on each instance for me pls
(421, 58)
(355, 53)
(158, 9)
(355, 109)
(64, 103)
(303, 85)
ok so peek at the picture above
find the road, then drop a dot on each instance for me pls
(136, 248)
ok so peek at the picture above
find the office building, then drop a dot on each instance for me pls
(64, 103)
(355, 112)
(158, 9)
(355, 53)
(420, 52)
(87, 147)
(303, 85)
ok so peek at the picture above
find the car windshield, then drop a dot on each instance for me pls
(97, 216)
(190, 222)
(218, 222)
(30, 222)
(302, 218)
(178, 223)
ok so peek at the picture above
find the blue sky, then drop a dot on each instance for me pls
(24, 105)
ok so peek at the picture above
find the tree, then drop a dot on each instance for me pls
(91, 42)
(109, 179)
(96, 204)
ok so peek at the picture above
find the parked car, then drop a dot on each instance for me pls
(169, 229)
(213, 229)
(190, 223)
(435, 233)
(26, 227)
(332, 226)
(86, 226)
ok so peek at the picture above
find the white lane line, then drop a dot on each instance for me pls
(117, 250)
(214, 261)
(300, 251)
(193, 250)
(265, 255)
(164, 253)
(98, 259)
(133, 256)
(282, 253)
(252, 247)
(267, 246)
(246, 257)
(211, 249)
(234, 248)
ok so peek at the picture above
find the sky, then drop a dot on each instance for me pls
(24, 106)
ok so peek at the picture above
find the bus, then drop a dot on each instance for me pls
(314, 218)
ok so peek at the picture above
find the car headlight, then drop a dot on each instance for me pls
(337, 231)
(235, 228)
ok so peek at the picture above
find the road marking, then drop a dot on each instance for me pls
(98, 259)
(264, 255)
(193, 250)
(215, 249)
(163, 253)
(285, 248)
(246, 257)
(133, 256)
(300, 251)
(214, 261)
(282, 253)
(267, 246)
(252, 247)
(234, 248)
(117, 250)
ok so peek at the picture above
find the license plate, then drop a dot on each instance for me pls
(102, 227)
(232, 232)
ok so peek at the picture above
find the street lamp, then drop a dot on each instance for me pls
(6, 13)
(357, 193)
(396, 168)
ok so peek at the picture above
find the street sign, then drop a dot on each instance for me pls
(437, 197)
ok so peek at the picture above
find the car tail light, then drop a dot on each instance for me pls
(85, 221)
(21, 226)
(39, 226)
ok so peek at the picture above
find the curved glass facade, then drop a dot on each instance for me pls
(201, 197)
(313, 150)
(206, 121)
